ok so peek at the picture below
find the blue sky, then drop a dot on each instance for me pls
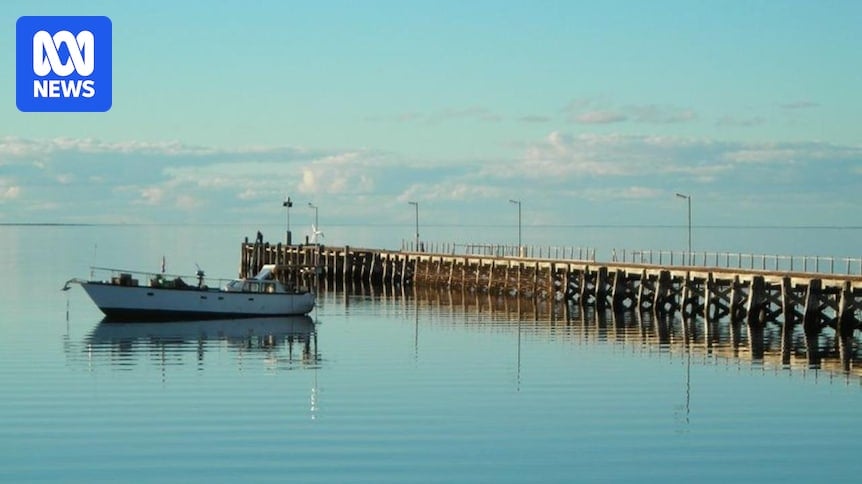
(589, 112)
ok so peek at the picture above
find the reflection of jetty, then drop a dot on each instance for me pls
(810, 301)
(643, 331)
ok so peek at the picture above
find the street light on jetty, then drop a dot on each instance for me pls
(287, 204)
(518, 203)
(314, 228)
(688, 199)
(416, 204)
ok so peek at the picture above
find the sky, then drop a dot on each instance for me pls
(587, 112)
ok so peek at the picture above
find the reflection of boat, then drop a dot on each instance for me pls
(286, 342)
(109, 331)
(123, 298)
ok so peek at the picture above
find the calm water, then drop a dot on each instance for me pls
(383, 387)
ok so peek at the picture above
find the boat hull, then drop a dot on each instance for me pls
(148, 303)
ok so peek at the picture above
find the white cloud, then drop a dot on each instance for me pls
(762, 154)
(251, 194)
(600, 117)
(450, 191)
(744, 122)
(168, 182)
(802, 104)
(655, 114)
(338, 174)
(152, 195)
(474, 113)
(600, 111)
(309, 181)
(9, 192)
(560, 157)
(187, 202)
(640, 193)
(534, 118)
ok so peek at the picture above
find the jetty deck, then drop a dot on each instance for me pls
(815, 301)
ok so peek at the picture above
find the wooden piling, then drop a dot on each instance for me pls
(811, 321)
(846, 325)
(789, 311)
(601, 288)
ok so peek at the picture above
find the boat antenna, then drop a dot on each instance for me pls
(95, 246)
(200, 274)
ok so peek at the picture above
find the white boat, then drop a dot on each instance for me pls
(122, 297)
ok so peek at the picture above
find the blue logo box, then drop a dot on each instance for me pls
(63, 64)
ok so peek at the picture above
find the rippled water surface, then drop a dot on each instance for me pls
(376, 386)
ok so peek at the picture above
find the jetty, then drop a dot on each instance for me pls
(700, 289)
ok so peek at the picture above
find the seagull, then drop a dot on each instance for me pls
(315, 233)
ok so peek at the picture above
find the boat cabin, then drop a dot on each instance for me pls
(264, 282)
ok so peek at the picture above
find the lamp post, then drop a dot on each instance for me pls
(315, 229)
(287, 204)
(416, 204)
(688, 199)
(518, 203)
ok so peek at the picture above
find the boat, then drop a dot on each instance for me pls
(163, 298)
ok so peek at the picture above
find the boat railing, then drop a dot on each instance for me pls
(124, 277)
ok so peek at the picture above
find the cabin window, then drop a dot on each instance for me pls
(254, 287)
(270, 288)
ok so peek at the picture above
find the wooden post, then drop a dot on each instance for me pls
(535, 278)
(518, 283)
(709, 301)
(601, 287)
(465, 262)
(685, 298)
(846, 325)
(661, 293)
(451, 271)
(811, 321)
(755, 317)
(618, 294)
(583, 275)
(346, 266)
(642, 285)
(735, 298)
(386, 262)
(788, 309)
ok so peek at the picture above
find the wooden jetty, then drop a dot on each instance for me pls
(811, 301)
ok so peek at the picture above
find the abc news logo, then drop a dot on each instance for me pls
(63, 64)
(46, 59)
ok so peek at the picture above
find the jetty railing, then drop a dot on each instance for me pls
(816, 264)
(503, 250)
(740, 260)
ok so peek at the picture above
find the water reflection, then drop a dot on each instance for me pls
(719, 342)
(281, 342)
